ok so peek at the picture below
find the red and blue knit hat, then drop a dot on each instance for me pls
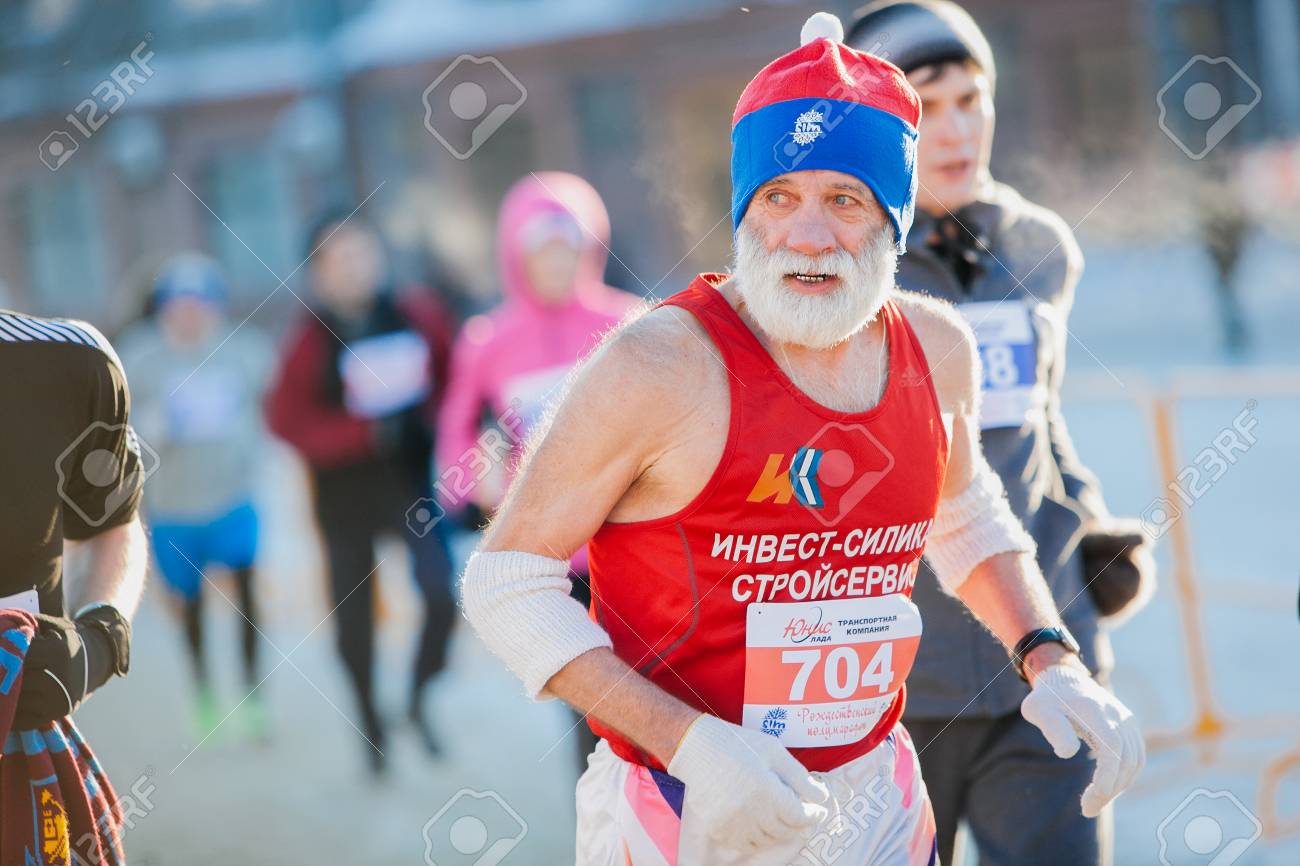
(828, 106)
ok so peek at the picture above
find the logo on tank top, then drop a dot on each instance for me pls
(830, 476)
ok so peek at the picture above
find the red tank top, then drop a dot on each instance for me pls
(779, 597)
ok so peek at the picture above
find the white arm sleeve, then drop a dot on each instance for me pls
(519, 604)
(971, 527)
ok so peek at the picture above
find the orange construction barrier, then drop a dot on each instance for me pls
(1208, 727)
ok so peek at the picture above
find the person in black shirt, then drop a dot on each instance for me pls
(71, 470)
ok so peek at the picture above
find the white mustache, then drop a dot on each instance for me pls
(819, 320)
(834, 264)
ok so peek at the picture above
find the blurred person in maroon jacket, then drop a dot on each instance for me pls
(356, 394)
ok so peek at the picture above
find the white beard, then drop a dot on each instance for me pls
(816, 321)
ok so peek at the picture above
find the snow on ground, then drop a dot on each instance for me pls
(306, 799)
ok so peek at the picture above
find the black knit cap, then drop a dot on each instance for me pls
(329, 219)
(918, 33)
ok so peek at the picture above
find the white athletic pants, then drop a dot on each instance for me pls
(630, 814)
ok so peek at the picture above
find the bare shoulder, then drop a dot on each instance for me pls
(650, 398)
(655, 350)
(652, 372)
(665, 336)
(949, 346)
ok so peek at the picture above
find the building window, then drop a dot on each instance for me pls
(65, 251)
(254, 230)
(1215, 29)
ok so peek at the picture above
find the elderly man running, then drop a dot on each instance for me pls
(757, 466)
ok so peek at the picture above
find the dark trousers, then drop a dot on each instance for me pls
(193, 618)
(586, 739)
(355, 505)
(1020, 801)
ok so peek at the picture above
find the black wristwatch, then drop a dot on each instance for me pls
(1038, 637)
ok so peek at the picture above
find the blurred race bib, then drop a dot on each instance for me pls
(384, 374)
(1008, 353)
(27, 600)
(204, 406)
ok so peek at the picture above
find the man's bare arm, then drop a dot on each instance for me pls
(69, 658)
(110, 568)
(602, 685)
(1006, 592)
(601, 443)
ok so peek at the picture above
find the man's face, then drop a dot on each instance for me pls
(815, 257)
(956, 134)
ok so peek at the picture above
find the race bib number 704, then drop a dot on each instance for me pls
(822, 673)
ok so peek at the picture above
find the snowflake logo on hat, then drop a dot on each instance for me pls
(808, 127)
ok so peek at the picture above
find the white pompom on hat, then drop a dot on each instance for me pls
(821, 25)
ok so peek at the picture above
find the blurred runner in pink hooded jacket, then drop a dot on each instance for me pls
(552, 238)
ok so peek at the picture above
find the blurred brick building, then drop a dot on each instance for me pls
(254, 113)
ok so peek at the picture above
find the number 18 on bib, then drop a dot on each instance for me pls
(1008, 354)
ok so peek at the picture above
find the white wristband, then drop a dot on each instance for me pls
(971, 527)
(519, 604)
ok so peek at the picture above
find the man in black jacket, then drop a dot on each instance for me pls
(1011, 267)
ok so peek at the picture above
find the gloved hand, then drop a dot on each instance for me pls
(68, 660)
(1067, 704)
(1118, 567)
(745, 786)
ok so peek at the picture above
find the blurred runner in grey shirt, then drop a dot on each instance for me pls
(1011, 267)
(197, 382)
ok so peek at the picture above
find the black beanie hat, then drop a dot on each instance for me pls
(917, 33)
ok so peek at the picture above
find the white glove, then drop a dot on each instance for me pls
(1066, 704)
(746, 787)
